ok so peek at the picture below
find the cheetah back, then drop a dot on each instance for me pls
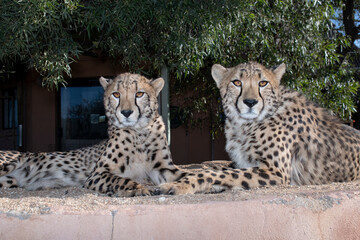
(34, 171)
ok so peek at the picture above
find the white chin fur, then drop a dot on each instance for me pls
(249, 115)
(135, 124)
(141, 123)
(124, 124)
(128, 123)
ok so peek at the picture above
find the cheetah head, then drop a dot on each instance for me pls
(130, 100)
(248, 90)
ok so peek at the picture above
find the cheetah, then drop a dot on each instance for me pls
(136, 150)
(274, 136)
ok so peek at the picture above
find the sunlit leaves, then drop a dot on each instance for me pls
(188, 37)
(40, 34)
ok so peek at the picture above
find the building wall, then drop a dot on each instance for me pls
(40, 115)
(196, 145)
(95, 67)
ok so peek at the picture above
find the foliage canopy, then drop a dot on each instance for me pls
(188, 37)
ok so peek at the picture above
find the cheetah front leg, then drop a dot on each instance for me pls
(211, 181)
(105, 182)
(163, 168)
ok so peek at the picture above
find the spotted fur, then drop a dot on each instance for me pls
(137, 149)
(34, 171)
(274, 136)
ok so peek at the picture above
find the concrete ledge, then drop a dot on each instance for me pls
(307, 212)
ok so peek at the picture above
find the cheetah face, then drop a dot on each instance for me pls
(248, 90)
(130, 100)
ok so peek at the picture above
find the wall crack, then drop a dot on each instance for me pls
(113, 213)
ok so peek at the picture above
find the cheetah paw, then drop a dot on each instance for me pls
(177, 188)
(138, 191)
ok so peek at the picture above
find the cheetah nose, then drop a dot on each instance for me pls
(250, 102)
(127, 112)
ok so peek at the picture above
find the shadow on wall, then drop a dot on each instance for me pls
(196, 145)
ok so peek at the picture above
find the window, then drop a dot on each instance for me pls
(9, 108)
(83, 121)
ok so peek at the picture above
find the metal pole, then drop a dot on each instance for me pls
(165, 101)
(12, 99)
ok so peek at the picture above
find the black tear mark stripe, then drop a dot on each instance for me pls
(118, 106)
(237, 100)
(262, 99)
(136, 89)
(117, 89)
(116, 109)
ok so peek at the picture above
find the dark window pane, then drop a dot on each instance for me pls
(9, 108)
(82, 114)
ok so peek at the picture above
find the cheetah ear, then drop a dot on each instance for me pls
(157, 84)
(279, 71)
(105, 81)
(217, 72)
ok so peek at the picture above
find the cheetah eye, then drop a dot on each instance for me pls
(263, 83)
(237, 83)
(139, 94)
(116, 94)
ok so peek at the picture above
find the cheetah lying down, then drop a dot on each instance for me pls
(135, 152)
(274, 136)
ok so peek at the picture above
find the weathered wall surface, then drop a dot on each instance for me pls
(309, 212)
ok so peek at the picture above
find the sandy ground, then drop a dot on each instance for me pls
(20, 201)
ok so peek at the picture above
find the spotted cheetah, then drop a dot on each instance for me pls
(136, 150)
(274, 136)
